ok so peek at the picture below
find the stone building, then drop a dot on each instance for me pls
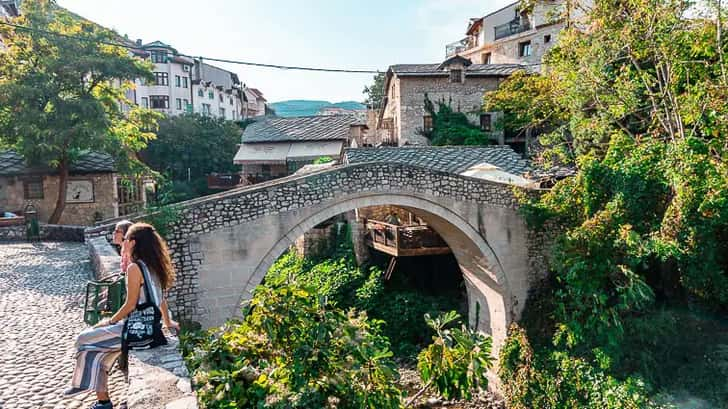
(274, 147)
(455, 81)
(92, 189)
(511, 35)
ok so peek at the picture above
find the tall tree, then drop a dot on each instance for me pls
(61, 90)
(375, 92)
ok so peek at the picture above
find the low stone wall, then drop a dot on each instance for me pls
(158, 379)
(104, 258)
(48, 232)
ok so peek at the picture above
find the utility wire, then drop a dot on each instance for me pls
(133, 47)
(254, 64)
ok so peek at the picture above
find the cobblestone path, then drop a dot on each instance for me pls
(41, 296)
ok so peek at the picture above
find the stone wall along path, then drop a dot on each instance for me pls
(41, 296)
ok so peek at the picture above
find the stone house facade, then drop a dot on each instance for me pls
(92, 190)
(511, 35)
(456, 81)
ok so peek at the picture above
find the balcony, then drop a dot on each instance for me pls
(405, 241)
(516, 26)
(459, 46)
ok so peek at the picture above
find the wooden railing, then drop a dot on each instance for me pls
(405, 240)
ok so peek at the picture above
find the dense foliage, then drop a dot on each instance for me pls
(188, 148)
(451, 127)
(458, 359)
(346, 285)
(294, 350)
(634, 99)
(61, 92)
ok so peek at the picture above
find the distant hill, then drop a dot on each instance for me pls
(301, 107)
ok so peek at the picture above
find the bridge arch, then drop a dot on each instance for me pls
(484, 276)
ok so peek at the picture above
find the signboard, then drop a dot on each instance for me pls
(80, 191)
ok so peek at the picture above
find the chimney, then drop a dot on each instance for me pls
(139, 42)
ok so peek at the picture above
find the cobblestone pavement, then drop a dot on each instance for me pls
(41, 296)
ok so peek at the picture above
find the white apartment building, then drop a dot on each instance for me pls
(185, 85)
(511, 35)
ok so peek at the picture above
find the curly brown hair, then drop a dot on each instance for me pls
(151, 248)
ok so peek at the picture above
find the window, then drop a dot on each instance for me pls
(547, 38)
(427, 123)
(486, 58)
(222, 99)
(265, 170)
(231, 100)
(222, 112)
(159, 101)
(161, 78)
(200, 93)
(179, 104)
(186, 105)
(159, 57)
(210, 95)
(33, 188)
(177, 81)
(186, 68)
(184, 81)
(206, 109)
(485, 123)
(524, 49)
(145, 102)
(456, 75)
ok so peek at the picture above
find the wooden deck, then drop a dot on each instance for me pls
(405, 241)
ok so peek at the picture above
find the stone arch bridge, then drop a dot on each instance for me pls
(224, 244)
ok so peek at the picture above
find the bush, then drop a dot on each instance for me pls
(294, 351)
(458, 359)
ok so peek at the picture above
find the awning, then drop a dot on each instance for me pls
(486, 171)
(306, 151)
(262, 153)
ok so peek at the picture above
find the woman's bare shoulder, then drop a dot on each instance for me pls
(133, 271)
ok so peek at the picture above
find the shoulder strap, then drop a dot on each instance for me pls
(145, 275)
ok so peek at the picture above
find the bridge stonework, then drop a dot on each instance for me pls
(222, 245)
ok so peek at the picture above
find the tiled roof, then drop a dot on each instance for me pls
(304, 128)
(474, 69)
(12, 163)
(453, 159)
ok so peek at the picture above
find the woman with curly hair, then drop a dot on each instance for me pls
(98, 347)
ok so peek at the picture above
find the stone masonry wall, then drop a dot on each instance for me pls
(466, 97)
(104, 204)
(48, 232)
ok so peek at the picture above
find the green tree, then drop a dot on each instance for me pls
(191, 146)
(375, 92)
(633, 98)
(61, 88)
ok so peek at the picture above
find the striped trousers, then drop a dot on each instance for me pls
(97, 349)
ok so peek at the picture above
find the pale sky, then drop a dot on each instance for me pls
(323, 33)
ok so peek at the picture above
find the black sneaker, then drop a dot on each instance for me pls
(99, 405)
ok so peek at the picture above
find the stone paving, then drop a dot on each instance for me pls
(41, 296)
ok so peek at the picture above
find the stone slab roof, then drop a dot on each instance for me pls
(11, 163)
(496, 70)
(304, 128)
(452, 159)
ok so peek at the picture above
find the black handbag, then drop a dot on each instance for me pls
(143, 327)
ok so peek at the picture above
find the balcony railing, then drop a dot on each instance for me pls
(459, 46)
(514, 27)
(403, 241)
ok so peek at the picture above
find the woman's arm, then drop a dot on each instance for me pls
(168, 322)
(133, 287)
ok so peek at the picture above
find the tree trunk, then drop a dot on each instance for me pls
(61, 200)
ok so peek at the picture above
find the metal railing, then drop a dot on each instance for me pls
(459, 46)
(516, 26)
